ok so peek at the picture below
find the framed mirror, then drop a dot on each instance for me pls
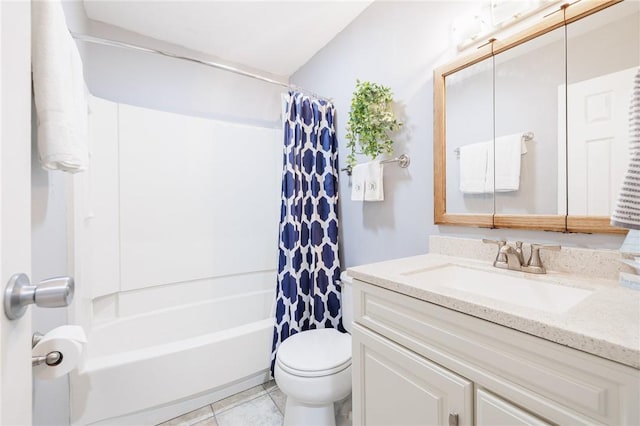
(505, 135)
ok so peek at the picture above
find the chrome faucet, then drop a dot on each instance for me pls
(513, 258)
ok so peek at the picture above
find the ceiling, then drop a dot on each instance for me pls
(274, 36)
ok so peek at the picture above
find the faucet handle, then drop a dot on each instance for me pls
(520, 253)
(501, 258)
(500, 243)
(535, 261)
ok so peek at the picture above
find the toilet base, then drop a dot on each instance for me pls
(298, 414)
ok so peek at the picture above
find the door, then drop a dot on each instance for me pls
(597, 143)
(394, 386)
(15, 205)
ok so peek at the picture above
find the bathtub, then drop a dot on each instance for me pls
(175, 273)
(147, 360)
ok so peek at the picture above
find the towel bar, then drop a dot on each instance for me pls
(526, 137)
(403, 161)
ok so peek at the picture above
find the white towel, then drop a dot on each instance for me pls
(367, 182)
(508, 151)
(59, 89)
(373, 187)
(358, 176)
(473, 168)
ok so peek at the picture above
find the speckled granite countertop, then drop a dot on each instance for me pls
(606, 323)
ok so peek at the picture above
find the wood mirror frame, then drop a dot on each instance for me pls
(566, 14)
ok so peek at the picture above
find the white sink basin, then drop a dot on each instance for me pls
(502, 286)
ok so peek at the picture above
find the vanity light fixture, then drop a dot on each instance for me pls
(466, 29)
(503, 11)
(496, 17)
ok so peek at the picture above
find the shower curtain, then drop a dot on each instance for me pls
(308, 288)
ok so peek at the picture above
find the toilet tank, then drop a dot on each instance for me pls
(347, 300)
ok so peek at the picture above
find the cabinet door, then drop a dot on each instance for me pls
(494, 411)
(394, 386)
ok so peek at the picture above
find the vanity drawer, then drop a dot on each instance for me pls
(492, 410)
(563, 385)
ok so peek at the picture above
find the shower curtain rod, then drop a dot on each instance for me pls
(223, 67)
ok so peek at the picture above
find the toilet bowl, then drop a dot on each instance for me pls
(313, 368)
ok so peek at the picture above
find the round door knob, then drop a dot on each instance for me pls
(51, 293)
(54, 292)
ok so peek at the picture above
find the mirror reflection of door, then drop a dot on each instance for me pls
(598, 113)
(603, 58)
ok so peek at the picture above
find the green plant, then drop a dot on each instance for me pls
(371, 119)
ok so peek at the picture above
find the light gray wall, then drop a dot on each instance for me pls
(399, 44)
(613, 46)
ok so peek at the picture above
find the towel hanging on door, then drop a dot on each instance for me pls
(61, 96)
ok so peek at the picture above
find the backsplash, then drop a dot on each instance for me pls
(589, 262)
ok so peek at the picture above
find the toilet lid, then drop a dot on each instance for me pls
(315, 352)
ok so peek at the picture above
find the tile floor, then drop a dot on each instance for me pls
(259, 406)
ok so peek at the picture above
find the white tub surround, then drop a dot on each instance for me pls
(174, 252)
(605, 323)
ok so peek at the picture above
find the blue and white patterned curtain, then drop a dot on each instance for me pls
(308, 293)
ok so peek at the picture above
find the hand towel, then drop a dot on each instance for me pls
(627, 211)
(367, 182)
(59, 90)
(507, 161)
(358, 176)
(373, 183)
(473, 168)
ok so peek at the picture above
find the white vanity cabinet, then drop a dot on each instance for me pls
(402, 388)
(417, 363)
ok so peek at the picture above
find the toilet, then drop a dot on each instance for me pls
(313, 368)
